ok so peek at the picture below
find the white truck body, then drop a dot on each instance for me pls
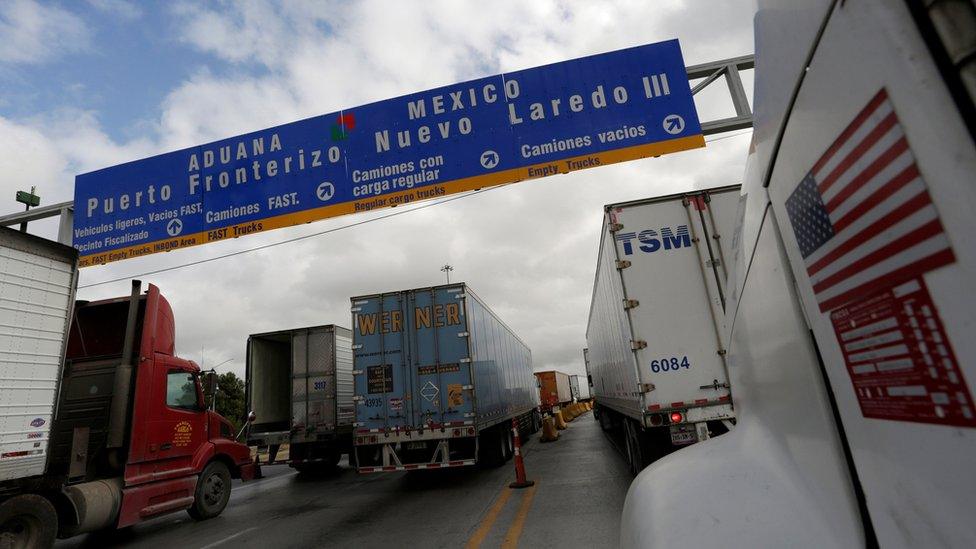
(653, 338)
(847, 435)
(37, 289)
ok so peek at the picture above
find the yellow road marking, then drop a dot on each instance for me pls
(515, 531)
(487, 522)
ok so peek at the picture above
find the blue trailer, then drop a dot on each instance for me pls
(438, 378)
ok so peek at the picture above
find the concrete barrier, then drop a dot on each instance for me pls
(560, 421)
(569, 414)
(549, 432)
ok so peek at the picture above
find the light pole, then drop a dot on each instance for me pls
(446, 269)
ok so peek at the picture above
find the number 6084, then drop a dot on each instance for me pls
(670, 364)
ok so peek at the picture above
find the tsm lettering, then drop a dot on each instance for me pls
(650, 241)
(423, 317)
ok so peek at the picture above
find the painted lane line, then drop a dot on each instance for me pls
(515, 531)
(228, 538)
(481, 533)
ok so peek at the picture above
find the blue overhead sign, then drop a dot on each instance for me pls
(557, 118)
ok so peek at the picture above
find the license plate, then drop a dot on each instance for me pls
(683, 434)
(416, 445)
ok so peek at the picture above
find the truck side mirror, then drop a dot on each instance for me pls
(209, 384)
(251, 416)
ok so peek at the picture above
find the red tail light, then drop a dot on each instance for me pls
(676, 417)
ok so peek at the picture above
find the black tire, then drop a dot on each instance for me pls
(491, 448)
(640, 449)
(326, 464)
(212, 493)
(636, 451)
(628, 449)
(27, 521)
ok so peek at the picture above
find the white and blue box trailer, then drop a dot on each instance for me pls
(438, 379)
(655, 353)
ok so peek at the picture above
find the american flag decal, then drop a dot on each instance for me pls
(862, 217)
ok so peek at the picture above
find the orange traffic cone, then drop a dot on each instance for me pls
(520, 480)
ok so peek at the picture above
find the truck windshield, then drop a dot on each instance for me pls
(181, 390)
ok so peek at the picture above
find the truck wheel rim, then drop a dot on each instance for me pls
(18, 532)
(213, 490)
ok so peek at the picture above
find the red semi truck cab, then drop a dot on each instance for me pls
(131, 438)
(169, 451)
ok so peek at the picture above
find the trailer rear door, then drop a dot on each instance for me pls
(412, 359)
(313, 381)
(672, 266)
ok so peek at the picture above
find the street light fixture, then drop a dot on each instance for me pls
(446, 269)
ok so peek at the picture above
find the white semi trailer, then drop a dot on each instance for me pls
(852, 296)
(654, 352)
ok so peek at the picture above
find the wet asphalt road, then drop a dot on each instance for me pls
(581, 482)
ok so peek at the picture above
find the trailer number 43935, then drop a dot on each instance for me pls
(670, 364)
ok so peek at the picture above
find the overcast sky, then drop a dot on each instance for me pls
(86, 85)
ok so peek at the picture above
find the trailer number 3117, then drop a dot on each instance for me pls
(671, 364)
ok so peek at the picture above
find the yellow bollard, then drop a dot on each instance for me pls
(560, 422)
(549, 432)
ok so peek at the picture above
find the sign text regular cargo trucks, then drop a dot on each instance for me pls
(299, 386)
(114, 434)
(654, 349)
(438, 379)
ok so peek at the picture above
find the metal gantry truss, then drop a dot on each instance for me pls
(711, 72)
(729, 68)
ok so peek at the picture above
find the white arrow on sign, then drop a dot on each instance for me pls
(489, 159)
(174, 227)
(325, 191)
(673, 124)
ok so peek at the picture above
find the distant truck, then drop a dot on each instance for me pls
(654, 335)
(299, 386)
(578, 388)
(554, 390)
(103, 425)
(438, 379)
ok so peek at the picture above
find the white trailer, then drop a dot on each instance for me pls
(853, 375)
(654, 351)
(37, 290)
(299, 386)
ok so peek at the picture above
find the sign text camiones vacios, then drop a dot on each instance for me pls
(567, 116)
